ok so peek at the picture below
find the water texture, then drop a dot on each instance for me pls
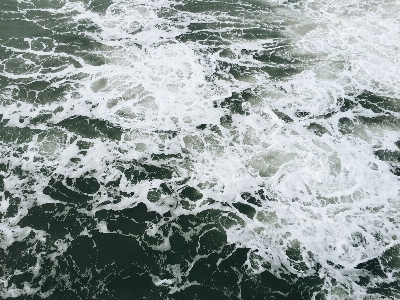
(199, 149)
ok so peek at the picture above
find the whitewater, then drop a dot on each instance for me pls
(200, 150)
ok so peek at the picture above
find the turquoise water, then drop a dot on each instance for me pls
(199, 150)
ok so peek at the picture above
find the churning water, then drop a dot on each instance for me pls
(157, 149)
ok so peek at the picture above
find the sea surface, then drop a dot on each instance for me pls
(191, 149)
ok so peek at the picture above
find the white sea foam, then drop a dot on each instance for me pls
(330, 197)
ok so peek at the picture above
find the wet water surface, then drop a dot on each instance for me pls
(199, 150)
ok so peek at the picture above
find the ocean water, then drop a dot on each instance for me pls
(196, 149)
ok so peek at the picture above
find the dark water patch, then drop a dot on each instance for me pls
(278, 70)
(45, 17)
(43, 44)
(273, 55)
(182, 248)
(3, 85)
(86, 185)
(308, 288)
(191, 193)
(58, 189)
(4, 167)
(256, 33)
(377, 103)
(249, 198)
(19, 249)
(10, 134)
(95, 266)
(245, 209)
(115, 251)
(199, 293)
(201, 126)
(267, 285)
(5, 54)
(384, 272)
(40, 119)
(155, 194)
(17, 27)
(52, 31)
(210, 240)
(392, 158)
(242, 23)
(81, 252)
(206, 231)
(370, 101)
(302, 114)
(336, 266)
(238, 71)
(126, 226)
(213, 6)
(235, 103)
(13, 204)
(360, 123)
(113, 266)
(381, 120)
(294, 253)
(76, 44)
(279, 64)
(58, 64)
(165, 189)
(139, 285)
(167, 134)
(346, 125)
(347, 104)
(201, 37)
(214, 129)
(388, 156)
(318, 129)
(219, 267)
(113, 192)
(284, 117)
(8, 6)
(40, 92)
(99, 6)
(264, 286)
(117, 266)
(91, 128)
(130, 220)
(1, 183)
(40, 5)
(84, 145)
(23, 256)
(57, 220)
(220, 33)
(226, 121)
(165, 157)
(141, 171)
(374, 267)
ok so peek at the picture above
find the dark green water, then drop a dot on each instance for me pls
(199, 150)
